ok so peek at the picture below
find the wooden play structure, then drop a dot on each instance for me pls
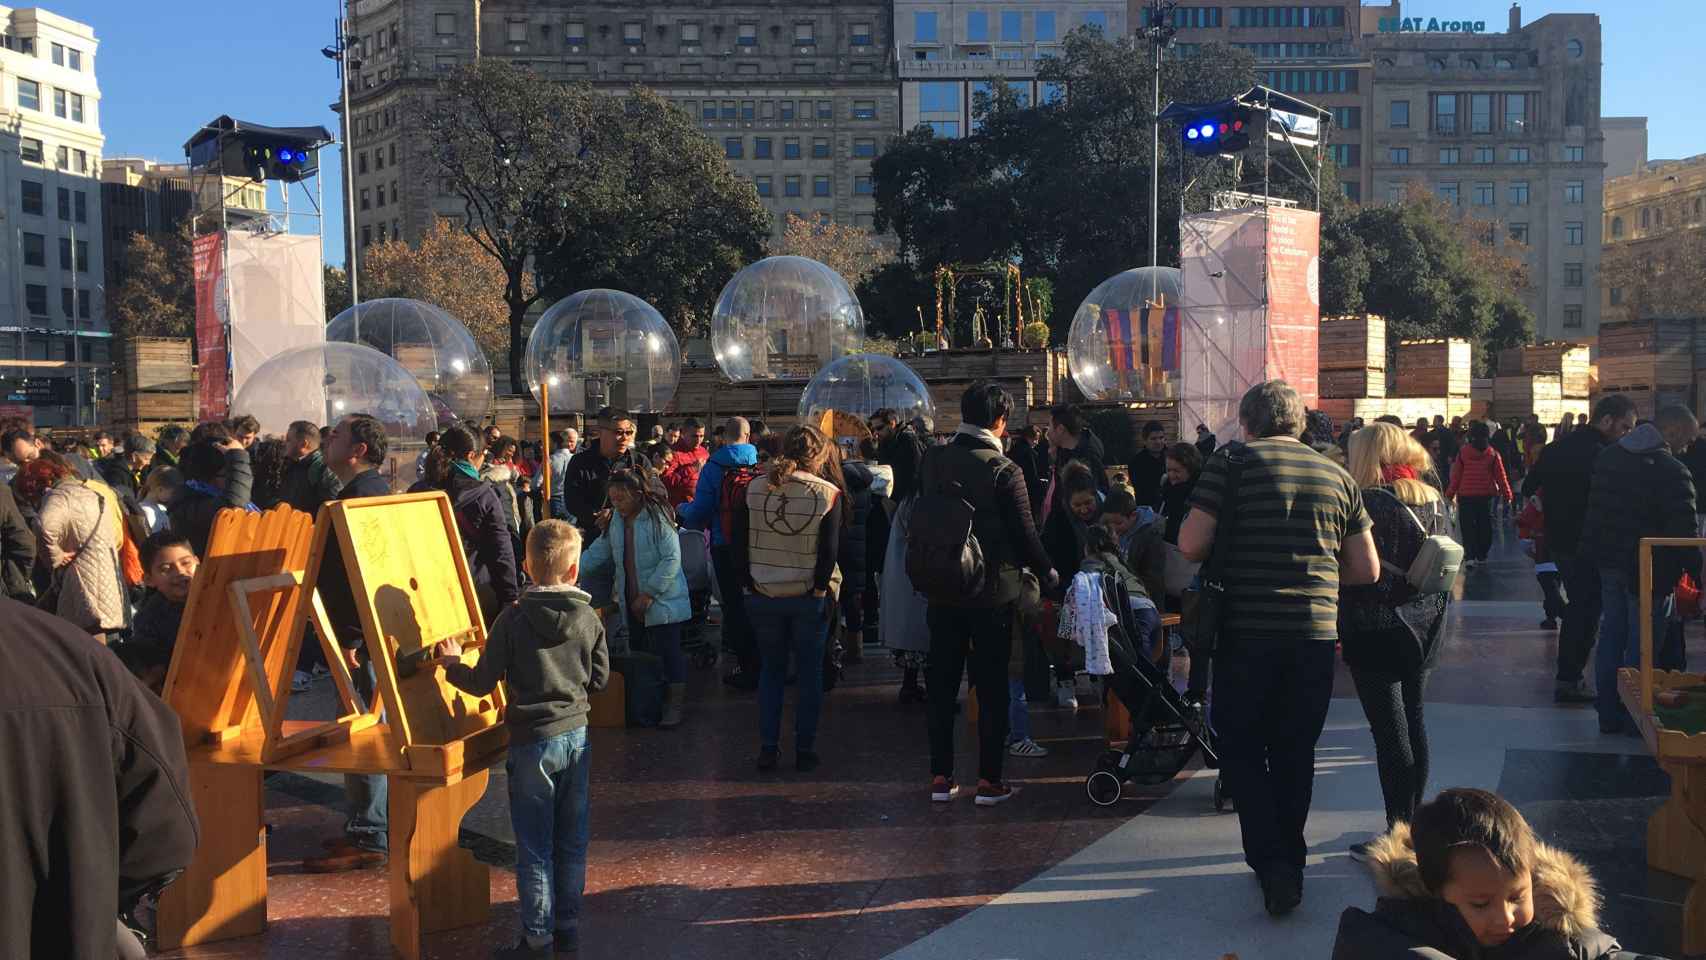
(249, 610)
(1676, 834)
(983, 333)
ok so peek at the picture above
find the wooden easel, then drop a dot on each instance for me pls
(249, 610)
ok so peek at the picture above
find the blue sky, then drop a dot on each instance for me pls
(166, 68)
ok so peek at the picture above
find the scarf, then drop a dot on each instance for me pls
(209, 490)
(1397, 471)
(973, 430)
(465, 468)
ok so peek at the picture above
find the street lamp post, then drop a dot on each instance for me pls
(340, 52)
(1159, 33)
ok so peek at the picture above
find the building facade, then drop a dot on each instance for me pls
(800, 97)
(1506, 127)
(1625, 146)
(244, 199)
(1644, 209)
(53, 333)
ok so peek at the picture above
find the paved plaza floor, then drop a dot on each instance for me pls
(695, 853)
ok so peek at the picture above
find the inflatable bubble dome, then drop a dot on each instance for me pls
(601, 348)
(429, 343)
(784, 317)
(1118, 347)
(845, 393)
(324, 382)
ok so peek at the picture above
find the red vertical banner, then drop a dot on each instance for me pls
(211, 310)
(1294, 300)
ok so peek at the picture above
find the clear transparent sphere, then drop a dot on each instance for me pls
(325, 382)
(429, 343)
(1109, 341)
(601, 348)
(784, 317)
(852, 388)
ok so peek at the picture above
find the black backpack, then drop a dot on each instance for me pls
(943, 557)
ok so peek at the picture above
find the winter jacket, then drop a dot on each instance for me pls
(584, 485)
(1002, 520)
(657, 561)
(154, 634)
(308, 483)
(1030, 464)
(1384, 627)
(334, 581)
(486, 539)
(853, 559)
(17, 549)
(681, 476)
(80, 539)
(97, 801)
(1565, 470)
(1478, 472)
(1639, 490)
(1175, 503)
(903, 451)
(1144, 550)
(1408, 923)
(703, 512)
(1148, 475)
(550, 652)
(192, 512)
(1694, 458)
(115, 472)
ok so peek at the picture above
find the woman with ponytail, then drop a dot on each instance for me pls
(787, 538)
(480, 518)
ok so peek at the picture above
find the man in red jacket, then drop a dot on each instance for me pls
(688, 454)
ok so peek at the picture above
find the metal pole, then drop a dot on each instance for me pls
(1155, 147)
(76, 328)
(349, 173)
(545, 442)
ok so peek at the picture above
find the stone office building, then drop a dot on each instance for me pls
(800, 97)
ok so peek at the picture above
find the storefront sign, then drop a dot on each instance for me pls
(1430, 25)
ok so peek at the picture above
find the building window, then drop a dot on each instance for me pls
(35, 250)
(938, 97)
(1447, 191)
(361, 161)
(1573, 191)
(1483, 195)
(1483, 154)
(444, 24)
(1043, 26)
(67, 302)
(64, 204)
(29, 94)
(864, 109)
(1575, 48)
(1573, 154)
(1516, 112)
(1572, 274)
(82, 206)
(864, 147)
(820, 185)
(1445, 113)
(764, 187)
(62, 158)
(1399, 117)
(1011, 29)
(1519, 154)
(575, 32)
(805, 34)
(1519, 193)
(690, 34)
(517, 31)
(59, 55)
(761, 148)
(1480, 113)
(1573, 234)
(1448, 155)
(1616, 295)
(633, 33)
(787, 110)
(947, 129)
(1398, 155)
(365, 199)
(748, 109)
(31, 196)
(1646, 217)
(59, 103)
(366, 236)
(924, 27)
(380, 199)
(730, 110)
(732, 148)
(1573, 317)
(1617, 226)
(820, 148)
(1347, 118)
(1503, 63)
(30, 150)
(791, 185)
(35, 299)
(977, 27)
(1352, 190)
(862, 186)
(1346, 154)
(790, 148)
(1097, 20)
(861, 35)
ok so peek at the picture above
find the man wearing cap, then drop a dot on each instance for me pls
(124, 468)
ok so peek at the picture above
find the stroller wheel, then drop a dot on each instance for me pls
(1103, 788)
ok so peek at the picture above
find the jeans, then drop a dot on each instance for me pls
(664, 642)
(1270, 705)
(1620, 640)
(1394, 711)
(1477, 520)
(549, 789)
(785, 625)
(1018, 712)
(737, 624)
(1580, 628)
(368, 795)
(978, 639)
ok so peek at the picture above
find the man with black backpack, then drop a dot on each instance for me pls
(971, 534)
(721, 488)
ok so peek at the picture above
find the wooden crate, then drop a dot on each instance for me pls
(1635, 338)
(1649, 399)
(1342, 409)
(1047, 369)
(156, 363)
(1536, 394)
(1675, 370)
(1569, 359)
(1349, 343)
(1408, 409)
(1352, 384)
(154, 405)
(1433, 368)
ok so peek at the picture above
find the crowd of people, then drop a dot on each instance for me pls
(961, 553)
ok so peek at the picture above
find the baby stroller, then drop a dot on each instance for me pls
(1166, 732)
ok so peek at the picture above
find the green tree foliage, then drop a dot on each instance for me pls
(156, 298)
(336, 282)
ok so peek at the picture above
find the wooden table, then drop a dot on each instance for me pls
(434, 884)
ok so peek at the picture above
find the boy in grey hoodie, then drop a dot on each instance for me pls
(550, 650)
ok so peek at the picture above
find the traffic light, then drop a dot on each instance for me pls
(1223, 130)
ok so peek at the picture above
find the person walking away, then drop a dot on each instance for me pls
(97, 810)
(1639, 489)
(562, 451)
(1297, 530)
(480, 520)
(643, 552)
(901, 626)
(687, 457)
(856, 481)
(787, 539)
(1390, 634)
(549, 651)
(1561, 477)
(78, 535)
(1477, 480)
(216, 476)
(973, 629)
(721, 487)
(1531, 531)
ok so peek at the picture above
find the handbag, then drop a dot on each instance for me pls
(1208, 593)
(1179, 571)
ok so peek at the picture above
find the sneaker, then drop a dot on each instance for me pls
(1027, 748)
(990, 794)
(320, 671)
(1360, 852)
(943, 790)
(767, 758)
(805, 761)
(521, 950)
(567, 941)
(1065, 695)
(1549, 624)
(1577, 692)
(300, 682)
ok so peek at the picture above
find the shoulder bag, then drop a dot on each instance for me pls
(1207, 596)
